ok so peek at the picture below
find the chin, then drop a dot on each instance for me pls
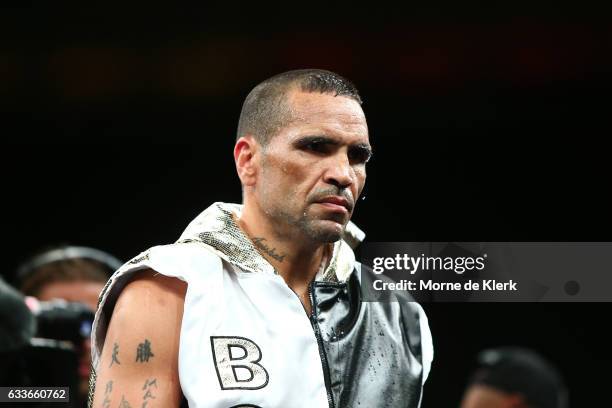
(329, 237)
(326, 231)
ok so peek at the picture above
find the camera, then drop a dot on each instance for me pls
(41, 343)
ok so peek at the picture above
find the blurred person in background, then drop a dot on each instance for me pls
(512, 377)
(64, 274)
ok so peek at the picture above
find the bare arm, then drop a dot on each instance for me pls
(139, 363)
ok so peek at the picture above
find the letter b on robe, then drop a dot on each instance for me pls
(237, 363)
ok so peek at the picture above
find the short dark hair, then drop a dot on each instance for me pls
(65, 263)
(265, 110)
(71, 270)
(522, 371)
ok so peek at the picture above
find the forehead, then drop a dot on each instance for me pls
(73, 291)
(331, 115)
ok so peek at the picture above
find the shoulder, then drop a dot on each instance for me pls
(150, 289)
(149, 304)
(176, 265)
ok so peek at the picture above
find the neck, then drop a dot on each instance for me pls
(297, 259)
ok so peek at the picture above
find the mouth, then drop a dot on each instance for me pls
(336, 204)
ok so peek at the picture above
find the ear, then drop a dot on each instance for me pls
(246, 155)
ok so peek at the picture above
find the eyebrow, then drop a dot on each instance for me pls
(305, 140)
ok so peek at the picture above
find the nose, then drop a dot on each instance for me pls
(340, 173)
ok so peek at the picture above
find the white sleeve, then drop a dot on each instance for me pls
(427, 352)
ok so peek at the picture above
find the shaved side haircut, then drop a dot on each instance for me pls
(265, 110)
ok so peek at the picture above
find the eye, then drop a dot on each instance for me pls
(315, 145)
(359, 155)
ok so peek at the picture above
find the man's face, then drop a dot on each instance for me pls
(314, 169)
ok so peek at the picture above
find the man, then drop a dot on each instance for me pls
(512, 377)
(258, 305)
(74, 274)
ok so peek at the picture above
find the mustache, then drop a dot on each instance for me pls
(320, 194)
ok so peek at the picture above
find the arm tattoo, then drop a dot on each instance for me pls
(148, 387)
(124, 403)
(109, 387)
(259, 243)
(107, 392)
(144, 352)
(115, 355)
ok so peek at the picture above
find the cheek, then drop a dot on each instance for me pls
(289, 175)
(360, 176)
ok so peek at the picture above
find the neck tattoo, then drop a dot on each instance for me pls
(271, 252)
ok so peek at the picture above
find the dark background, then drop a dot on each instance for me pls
(488, 123)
